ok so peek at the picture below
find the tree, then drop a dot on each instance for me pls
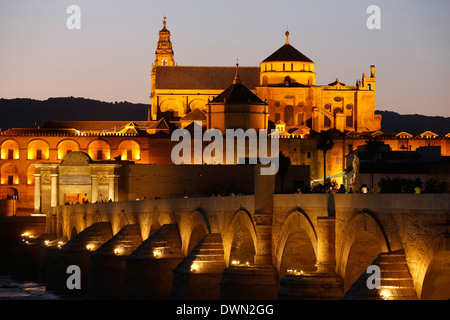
(325, 143)
(284, 163)
(373, 148)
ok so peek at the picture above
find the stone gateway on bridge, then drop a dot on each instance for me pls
(259, 246)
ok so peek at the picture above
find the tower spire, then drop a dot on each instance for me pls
(287, 37)
(237, 79)
(164, 50)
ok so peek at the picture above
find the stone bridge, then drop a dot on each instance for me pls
(261, 246)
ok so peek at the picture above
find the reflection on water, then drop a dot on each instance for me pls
(11, 289)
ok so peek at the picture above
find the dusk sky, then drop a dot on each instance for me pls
(110, 57)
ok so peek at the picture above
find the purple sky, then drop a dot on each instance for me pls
(110, 58)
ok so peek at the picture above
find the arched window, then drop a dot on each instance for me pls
(67, 146)
(289, 115)
(130, 150)
(9, 174)
(30, 175)
(10, 150)
(38, 150)
(99, 150)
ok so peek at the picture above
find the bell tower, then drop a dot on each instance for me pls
(164, 50)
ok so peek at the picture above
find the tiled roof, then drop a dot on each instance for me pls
(194, 115)
(203, 78)
(237, 93)
(95, 125)
(287, 53)
(39, 132)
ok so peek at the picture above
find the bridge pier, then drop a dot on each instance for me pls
(259, 280)
(149, 269)
(198, 276)
(107, 268)
(77, 251)
(324, 283)
(253, 282)
(311, 286)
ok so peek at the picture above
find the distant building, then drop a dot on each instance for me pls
(424, 163)
(286, 81)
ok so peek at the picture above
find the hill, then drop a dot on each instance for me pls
(413, 123)
(26, 113)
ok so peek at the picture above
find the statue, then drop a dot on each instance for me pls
(355, 181)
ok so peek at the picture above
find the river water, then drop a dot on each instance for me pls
(11, 289)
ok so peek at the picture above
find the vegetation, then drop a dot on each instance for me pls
(404, 185)
(283, 168)
(325, 143)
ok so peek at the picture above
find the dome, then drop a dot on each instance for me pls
(287, 53)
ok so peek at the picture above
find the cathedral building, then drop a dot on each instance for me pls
(286, 81)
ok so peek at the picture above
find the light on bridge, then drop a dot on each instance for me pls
(294, 272)
(386, 294)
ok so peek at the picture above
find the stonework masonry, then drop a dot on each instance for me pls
(345, 234)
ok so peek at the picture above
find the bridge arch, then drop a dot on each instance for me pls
(297, 245)
(433, 277)
(365, 238)
(73, 232)
(194, 229)
(240, 240)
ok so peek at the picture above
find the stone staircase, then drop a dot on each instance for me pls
(198, 275)
(395, 280)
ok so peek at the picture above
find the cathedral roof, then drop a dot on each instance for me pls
(287, 53)
(202, 78)
(237, 93)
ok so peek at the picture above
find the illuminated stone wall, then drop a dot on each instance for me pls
(340, 232)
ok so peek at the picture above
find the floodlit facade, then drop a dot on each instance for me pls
(281, 93)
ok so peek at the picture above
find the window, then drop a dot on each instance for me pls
(369, 87)
(164, 62)
(300, 121)
(10, 154)
(10, 179)
(38, 154)
(292, 67)
(349, 121)
(289, 114)
(350, 148)
(100, 154)
(277, 117)
(308, 154)
(287, 81)
(129, 154)
(326, 121)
